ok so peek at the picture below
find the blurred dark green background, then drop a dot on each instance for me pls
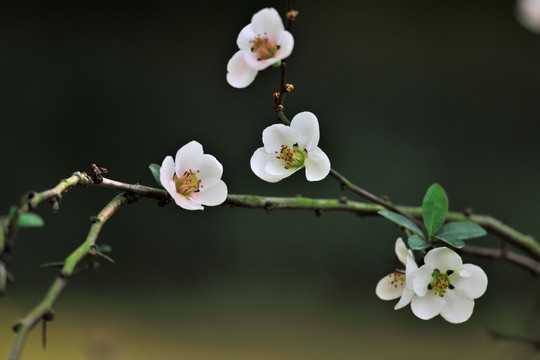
(407, 94)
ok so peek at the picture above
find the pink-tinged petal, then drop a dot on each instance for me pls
(307, 127)
(277, 168)
(258, 163)
(239, 73)
(244, 40)
(267, 22)
(428, 306)
(166, 174)
(474, 285)
(317, 165)
(286, 44)
(401, 251)
(206, 167)
(386, 290)
(421, 279)
(253, 61)
(456, 309)
(211, 196)
(443, 259)
(185, 203)
(185, 153)
(275, 136)
(528, 14)
(405, 299)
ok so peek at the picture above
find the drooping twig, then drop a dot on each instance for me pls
(535, 343)
(43, 311)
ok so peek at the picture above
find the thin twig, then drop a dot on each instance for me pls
(283, 67)
(493, 226)
(370, 197)
(43, 310)
(535, 343)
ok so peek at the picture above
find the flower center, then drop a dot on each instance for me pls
(440, 282)
(398, 278)
(293, 158)
(263, 47)
(187, 183)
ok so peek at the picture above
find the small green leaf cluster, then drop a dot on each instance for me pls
(434, 210)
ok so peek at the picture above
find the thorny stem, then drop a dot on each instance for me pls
(44, 310)
(131, 192)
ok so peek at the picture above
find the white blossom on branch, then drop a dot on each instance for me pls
(288, 149)
(193, 179)
(262, 43)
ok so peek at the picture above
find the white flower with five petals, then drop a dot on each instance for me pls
(193, 178)
(288, 149)
(446, 286)
(399, 283)
(262, 43)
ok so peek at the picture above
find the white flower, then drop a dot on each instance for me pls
(290, 148)
(193, 178)
(262, 43)
(528, 14)
(399, 284)
(446, 286)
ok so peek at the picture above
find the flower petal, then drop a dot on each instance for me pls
(443, 259)
(307, 126)
(277, 168)
(421, 279)
(472, 286)
(166, 174)
(186, 152)
(286, 44)
(428, 306)
(401, 251)
(528, 14)
(410, 268)
(275, 136)
(456, 309)
(317, 165)
(267, 22)
(386, 290)
(239, 73)
(255, 63)
(405, 299)
(185, 203)
(258, 163)
(206, 167)
(212, 196)
(245, 37)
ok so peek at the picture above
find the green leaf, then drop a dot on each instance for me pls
(30, 220)
(460, 230)
(417, 243)
(105, 248)
(434, 208)
(155, 168)
(402, 221)
(453, 242)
